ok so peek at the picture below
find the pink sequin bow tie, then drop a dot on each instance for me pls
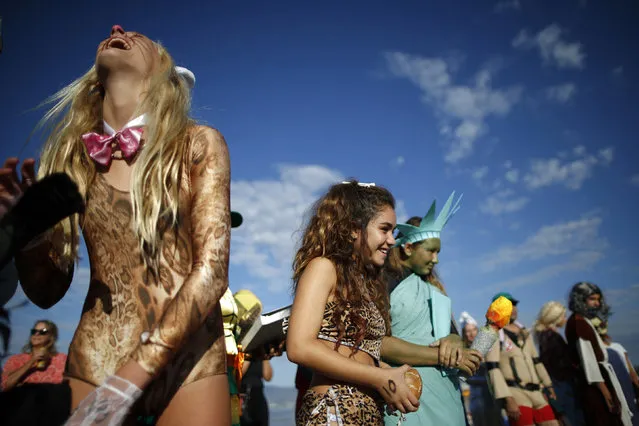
(100, 147)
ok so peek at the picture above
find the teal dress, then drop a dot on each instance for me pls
(421, 314)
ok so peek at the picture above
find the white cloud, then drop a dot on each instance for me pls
(635, 180)
(561, 93)
(571, 173)
(552, 241)
(579, 261)
(398, 161)
(623, 296)
(512, 175)
(273, 212)
(553, 50)
(463, 109)
(607, 155)
(502, 202)
(479, 174)
(506, 5)
(400, 211)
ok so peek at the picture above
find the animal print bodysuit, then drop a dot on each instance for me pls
(180, 309)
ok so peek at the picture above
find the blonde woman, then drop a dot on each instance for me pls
(150, 341)
(39, 361)
(553, 352)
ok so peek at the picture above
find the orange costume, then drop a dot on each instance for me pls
(170, 324)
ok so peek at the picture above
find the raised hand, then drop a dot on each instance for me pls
(11, 186)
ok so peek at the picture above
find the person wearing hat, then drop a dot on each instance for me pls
(156, 187)
(517, 375)
(422, 319)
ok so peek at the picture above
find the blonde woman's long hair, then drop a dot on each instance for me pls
(156, 173)
(549, 316)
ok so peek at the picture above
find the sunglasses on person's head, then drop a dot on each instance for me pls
(40, 332)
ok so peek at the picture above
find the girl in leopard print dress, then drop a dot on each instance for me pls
(340, 312)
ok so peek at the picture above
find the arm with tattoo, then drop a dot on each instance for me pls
(208, 279)
(304, 348)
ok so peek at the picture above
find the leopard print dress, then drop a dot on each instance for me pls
(124, 300)
(344, 404)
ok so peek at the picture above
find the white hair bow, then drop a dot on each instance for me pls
(365, 185)
(187, 75)
(465, 319)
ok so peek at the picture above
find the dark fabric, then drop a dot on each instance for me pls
(484, 410)
(515, 337)
(303, 378)
(43, 204)
(254, 404)
(593, 404)
(8, 283)
(36, 404)
(567, 402)
(553, 352)
(492, 365)
(532, 387)
(254, 408)
(253, 376)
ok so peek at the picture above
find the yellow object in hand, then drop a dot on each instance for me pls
(499, 312)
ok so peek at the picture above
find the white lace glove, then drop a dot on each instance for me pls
(108, 405)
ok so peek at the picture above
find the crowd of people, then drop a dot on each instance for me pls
(149, 189)
(582, 379)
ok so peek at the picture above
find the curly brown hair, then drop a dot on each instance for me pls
(345, 208)
(394, 267)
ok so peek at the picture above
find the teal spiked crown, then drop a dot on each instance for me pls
(430, 227)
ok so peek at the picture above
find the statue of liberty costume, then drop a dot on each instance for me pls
(422, 314)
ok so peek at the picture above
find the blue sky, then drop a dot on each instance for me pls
(516, 104)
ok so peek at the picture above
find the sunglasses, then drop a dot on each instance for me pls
(41, 332)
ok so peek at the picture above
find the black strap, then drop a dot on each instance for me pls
(515, 337)
(528, 386)
(492, 365)
(512, 367)
(536, 360)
